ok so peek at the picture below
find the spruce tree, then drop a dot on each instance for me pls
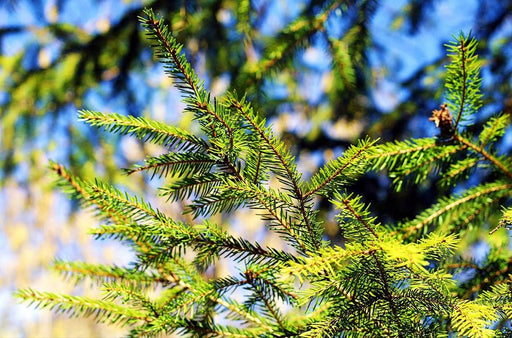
(383, 280)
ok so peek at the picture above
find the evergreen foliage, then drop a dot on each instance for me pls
(384, 280)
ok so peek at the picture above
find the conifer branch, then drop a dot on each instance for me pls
(81, 270)
(144, 129)
(230, 306)
(66, 176)
(349, 206)
(185, 187)
(83, 306)
(211, 295)
(458, 169)
(187, 75)
(493, 129)
(180, 69)
(447, 205)
(416, 158)
(506, 219)
(238, 248)
(354, 158)
(261, 295)
(128, 293)
(322, 263)
(267, 199)
(237, 309)
(463, 79)
(80, 191)
(491, 279)
(133, 208)
(387, 293)
(471, 319)
(479, 211)
(485, 154)
(180, 164)
(383, 151)
(285, 165)
(446, 154)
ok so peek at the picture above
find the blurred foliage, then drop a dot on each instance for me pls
(317, 64)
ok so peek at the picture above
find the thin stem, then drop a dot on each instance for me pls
(446, 208)
(258, 165)
(268, 305)
(464, 83)
(434, 159)
(173, 278)
(359, 217)
(337, 172)
(491, 279)
(297, 191)
(403, 151)
(272, 212)
(485, 154)
(157, 165)
(186, 76)
(387, 293)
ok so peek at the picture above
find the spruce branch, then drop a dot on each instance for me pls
(415, 158)
(200, 185)
(227, 304)
(104, 273)
(129, 294)
(389, 153)
(212, 240)
(388, 296)
(135, 208)
(82, 192)
(263, 294)
(145, 129)
(493, 130)
(493, 278)
(181, 275)
(168, 50)
(222, 201)
(277, 206)
(480, 150)
(83, 306)
(287, 166)
(457, 208)
(324, 261)
(342, 170)
(179, 164)
(463, 78)
(472, 319)
(355, 218)
(506, 219)
(430, 160)
(458, 170)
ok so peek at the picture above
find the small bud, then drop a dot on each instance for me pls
(443, 120)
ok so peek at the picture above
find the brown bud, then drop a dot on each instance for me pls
(443, 120)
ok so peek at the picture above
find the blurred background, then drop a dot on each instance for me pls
(324, 73)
